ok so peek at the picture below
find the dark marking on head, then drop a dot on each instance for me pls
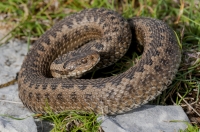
(30, 96)
(65, 65)
(73, 53)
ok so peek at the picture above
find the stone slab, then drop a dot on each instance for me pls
(148, 118)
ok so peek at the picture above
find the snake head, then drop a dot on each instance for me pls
(70, 66)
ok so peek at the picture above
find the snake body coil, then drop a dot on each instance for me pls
(117, 94)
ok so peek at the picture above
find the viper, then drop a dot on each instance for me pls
(96, 38)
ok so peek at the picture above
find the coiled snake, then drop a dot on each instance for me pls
(109, 35)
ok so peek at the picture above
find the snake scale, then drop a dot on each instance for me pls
(108, 32)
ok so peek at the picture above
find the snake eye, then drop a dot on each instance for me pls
(84, 61)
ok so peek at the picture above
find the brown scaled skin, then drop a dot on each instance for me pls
(113, 95)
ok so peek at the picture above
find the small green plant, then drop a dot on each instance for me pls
(190, 128)
(73, 121)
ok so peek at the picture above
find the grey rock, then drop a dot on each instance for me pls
(148, 118)
(14, 125)
(11, 58)
(109, 125)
